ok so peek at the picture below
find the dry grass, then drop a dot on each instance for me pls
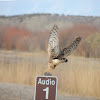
(80, 76)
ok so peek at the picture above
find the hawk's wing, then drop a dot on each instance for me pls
(67, 51)
(53, 45)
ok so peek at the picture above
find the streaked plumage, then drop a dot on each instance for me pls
(55, 55)
(53, 45)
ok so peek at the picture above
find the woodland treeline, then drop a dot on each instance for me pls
(16, 38)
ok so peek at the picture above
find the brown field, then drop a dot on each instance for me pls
(80, 76)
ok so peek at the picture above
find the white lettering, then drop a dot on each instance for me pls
(53, 82)
(43, 82)
(50, 82)
(46, 82)
(47, 92)
(39, 82)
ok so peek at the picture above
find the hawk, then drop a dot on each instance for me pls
(55, 55)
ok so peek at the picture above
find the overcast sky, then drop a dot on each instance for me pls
(67, 7)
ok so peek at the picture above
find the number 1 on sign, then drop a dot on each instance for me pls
(47, 92)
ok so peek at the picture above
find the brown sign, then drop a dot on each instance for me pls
(46, 88)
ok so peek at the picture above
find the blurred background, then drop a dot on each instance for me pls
(25, 26)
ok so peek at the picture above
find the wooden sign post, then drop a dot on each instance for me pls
(46, 88)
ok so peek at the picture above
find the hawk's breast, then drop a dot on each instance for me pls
(56, 61)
